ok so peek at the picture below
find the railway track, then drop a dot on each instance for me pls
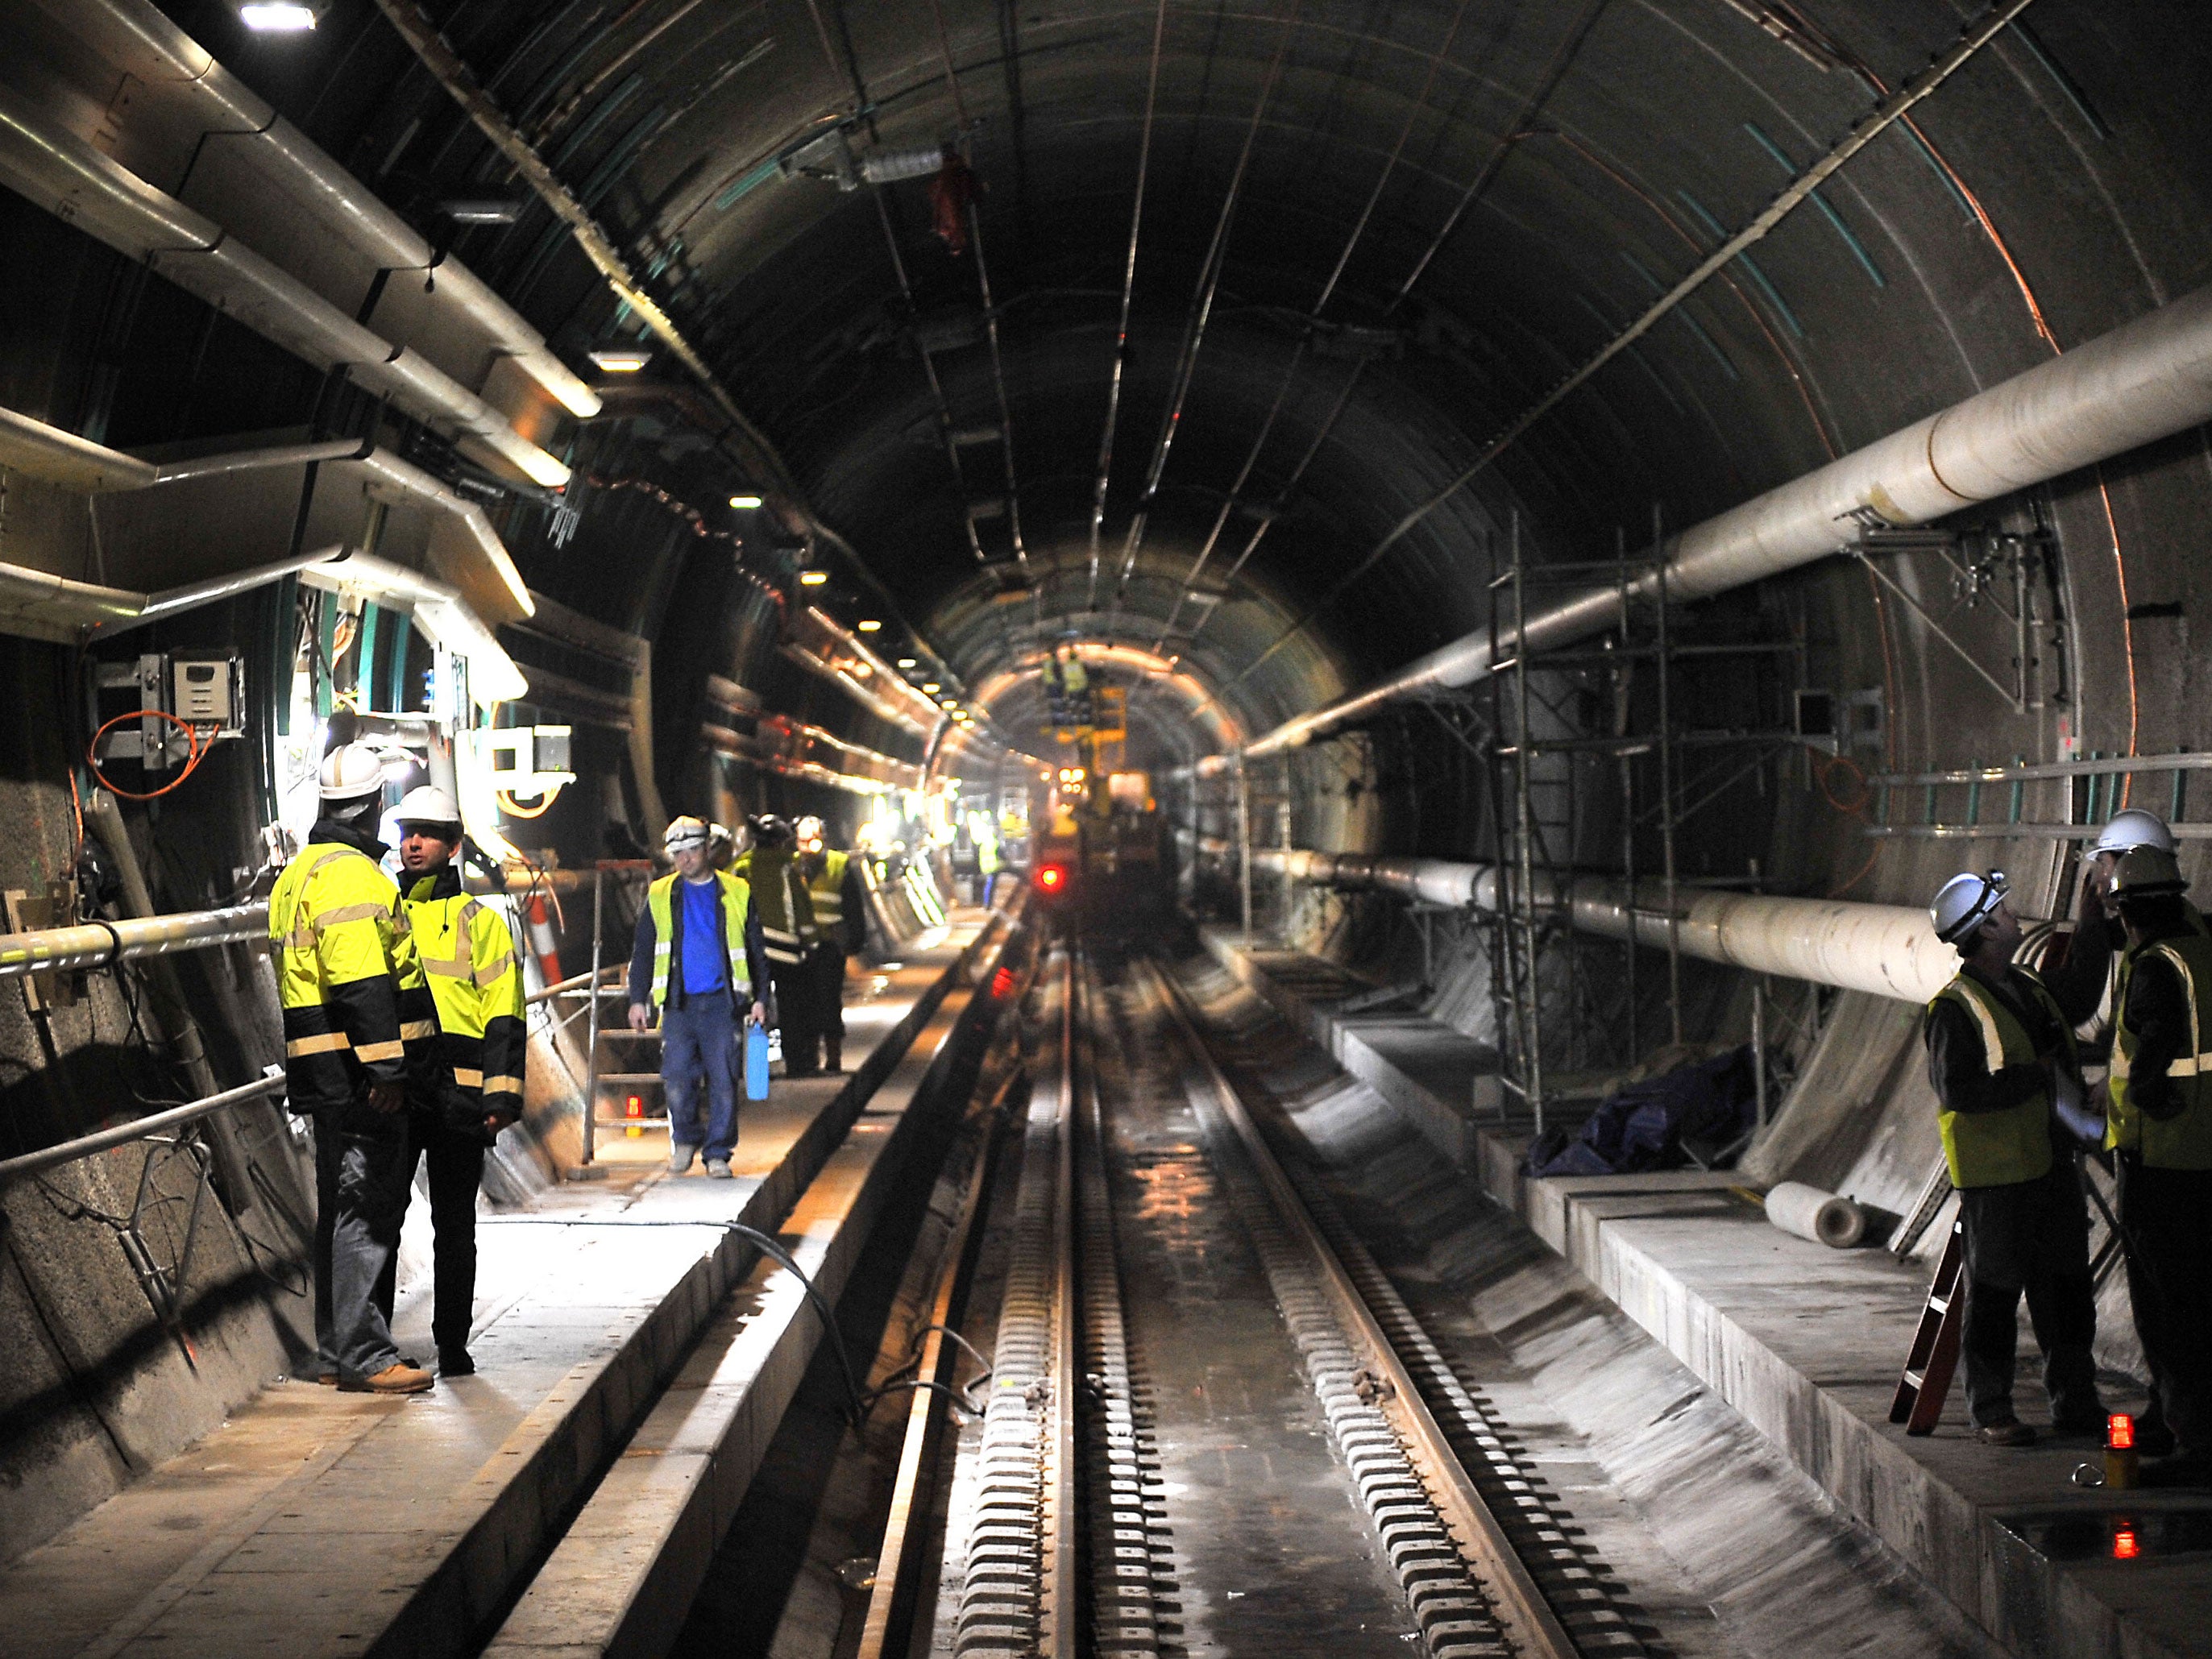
(1210, 1421)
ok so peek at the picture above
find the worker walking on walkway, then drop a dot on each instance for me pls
(698, 959)
(833, 887)
(2000, 1047)
(2158, 1126)
(473, 1087)
(781, 900)
(354, 1004)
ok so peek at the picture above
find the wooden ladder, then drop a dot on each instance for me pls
(1934, 1356)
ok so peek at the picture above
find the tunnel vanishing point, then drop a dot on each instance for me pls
(1321, 657)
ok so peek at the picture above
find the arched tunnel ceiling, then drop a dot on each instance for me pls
(1505, 185)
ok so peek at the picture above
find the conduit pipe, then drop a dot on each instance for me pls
(439, 609)
(1889, 950)
(42, 605)
(55, 168)
(2145, 381)
(134, 37)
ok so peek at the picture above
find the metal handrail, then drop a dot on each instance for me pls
(99, 943)
(69, 1152)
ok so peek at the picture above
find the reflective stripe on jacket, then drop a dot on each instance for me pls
(352, 990)
(1999, 1148)
(735, 906)
(475, 979)
(2184, 1141)
(780, 895)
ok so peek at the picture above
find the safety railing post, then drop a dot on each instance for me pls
(591, 1043)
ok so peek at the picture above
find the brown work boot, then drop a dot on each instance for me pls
(2012, 1432)
(833, 1056)
(394, 1378)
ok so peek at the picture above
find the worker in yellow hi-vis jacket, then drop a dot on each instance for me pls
(472, 1088)
(357, 1013)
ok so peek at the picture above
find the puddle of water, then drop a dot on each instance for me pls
(2116, 1535)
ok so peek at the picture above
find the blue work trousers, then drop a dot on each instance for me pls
(362, 1173)
(699, 1043)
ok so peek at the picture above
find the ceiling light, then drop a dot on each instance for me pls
(744, 503)
(812, 578)
(269, 17)
(621, 361)
(868, 625)
(906, 662)
(931, 686)
(947, 703)
(490, 212)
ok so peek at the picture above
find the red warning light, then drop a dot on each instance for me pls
(2120, 1432)
(635, 1107)
(2124, 1545)
(1001, 983)
(1052, 877)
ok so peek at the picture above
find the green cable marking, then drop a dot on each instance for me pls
(1834, 218)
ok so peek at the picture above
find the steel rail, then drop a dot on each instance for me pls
(1057, 1635)
(122, 1134)
(1517, 1602)
(1971, 39)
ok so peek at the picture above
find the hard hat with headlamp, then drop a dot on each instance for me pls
(810, 832)
(2131, 829)
(1965, 903)
(686, 831)
(2147, 872)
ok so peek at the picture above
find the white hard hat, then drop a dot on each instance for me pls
(428, 806)
(808, 828)
(686, 831)
(1965, 903)
(350, 771)
(2134, 828)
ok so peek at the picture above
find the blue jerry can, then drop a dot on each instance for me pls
(756, 1062)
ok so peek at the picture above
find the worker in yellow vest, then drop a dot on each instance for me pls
(698, 957)
(356, 1017)
(474, 1090)
(832, 886)
(2000, 1054)
(780, 901)
(2158, 1126)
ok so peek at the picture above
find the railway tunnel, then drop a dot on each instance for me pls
(1370, 588)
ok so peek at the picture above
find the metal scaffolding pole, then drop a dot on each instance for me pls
(1527, 985)
(1667, 803)
(1245, 847)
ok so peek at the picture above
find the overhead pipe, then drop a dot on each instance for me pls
(2145, 381)
(47, 606)
(55, 168)
(444, 615)
(1888, 950)
(134, 37)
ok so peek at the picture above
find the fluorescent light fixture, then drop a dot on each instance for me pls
(906, 662)
(276, 17)
(931, 686)
(868, 624)
(492, 211)
(744, 503)
(947, 704)
(622, 359)
(812, 578)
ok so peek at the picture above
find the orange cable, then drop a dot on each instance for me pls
(191, 763)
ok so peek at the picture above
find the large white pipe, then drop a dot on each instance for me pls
(2145, 381)
(55, 169)
(136, 39)
(1889, 950)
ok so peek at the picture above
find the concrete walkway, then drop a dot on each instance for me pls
(320, 1523)
(1807, 1343)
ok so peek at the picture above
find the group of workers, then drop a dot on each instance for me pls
(2016, 1118)
(403, 1041)
(727, 939)
(404, 1032)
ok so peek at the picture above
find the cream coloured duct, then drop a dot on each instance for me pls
(2145, 381)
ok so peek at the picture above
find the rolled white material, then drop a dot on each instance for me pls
(1809, 1212)
(2144, 381)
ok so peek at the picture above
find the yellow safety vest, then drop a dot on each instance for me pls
(351, 989)
(467, 952)
(826, 889)
(737, 905)
(2184, 1140)
(1998, 1149)
(786, 910)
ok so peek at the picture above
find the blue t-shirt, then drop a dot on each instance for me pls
(706, 958)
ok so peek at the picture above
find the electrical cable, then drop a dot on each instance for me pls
(197, 752)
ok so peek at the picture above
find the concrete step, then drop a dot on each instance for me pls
(317, 1523)
(1807, 1343)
